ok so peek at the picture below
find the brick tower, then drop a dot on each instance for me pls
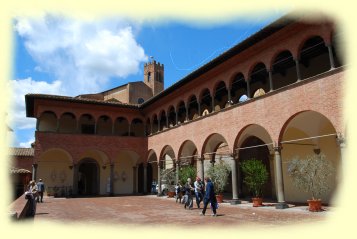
(154, 76)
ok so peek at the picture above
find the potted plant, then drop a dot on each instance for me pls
(255, 176)
(187, 172)
(219, 174)
(310, 174)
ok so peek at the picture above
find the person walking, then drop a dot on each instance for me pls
(210, 197)
(188, 194)
(41, 190)
(198, 191)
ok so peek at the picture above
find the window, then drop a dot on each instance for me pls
(149, 76)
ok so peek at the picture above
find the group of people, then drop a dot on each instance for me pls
(34, 194)
(202, 191)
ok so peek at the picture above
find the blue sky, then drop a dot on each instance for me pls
(56, 54)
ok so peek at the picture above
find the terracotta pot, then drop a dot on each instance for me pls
(314, 205)
(170, 194)
(219, 198)
(257, 202)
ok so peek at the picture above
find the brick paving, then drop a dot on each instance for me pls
(152, 210)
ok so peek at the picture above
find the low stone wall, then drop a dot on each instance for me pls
(20, 208)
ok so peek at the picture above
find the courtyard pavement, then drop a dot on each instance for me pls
(152, 210)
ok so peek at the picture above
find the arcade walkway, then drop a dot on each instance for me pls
(151, 210)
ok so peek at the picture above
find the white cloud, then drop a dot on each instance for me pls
(17, 118)
(82, 55)
(27, 144)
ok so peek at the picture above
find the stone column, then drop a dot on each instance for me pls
(229, 97)
(159, 179)
(158, 124)
(212, 104)
(330, 54)
(111, 179)
(279, 179)
(75, 179)
(145, 179)
(271, 79)
(298, 74)
(248, 89)
(34, 171)
(134, 180)
(186, 105)
(57, 126)
(176, 115)
(202, 174)
(199, 109)
(342, 143)
(177, 171)
(235, 199)
(167, 121)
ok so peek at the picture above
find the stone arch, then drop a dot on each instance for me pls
(47, 122)
(313, 57)
(220, 95)
(307, 133)
(86, 124)
(283, 69)
(162, 120)
(258, 78)
(205, 102)
(215, 149)
(95, 164)
(171, 116)
(54, 167)
(124, 172)
(167, 157)
(187, 154)
(67, 123)
(148, 127)
(181, 112)
(121, 126)
(155, 124)
(104, 125)
(192, 107)
(238, 88)
(151, 172)
(137, 128)
(254, 141)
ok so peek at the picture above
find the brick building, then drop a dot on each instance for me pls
(275, 95)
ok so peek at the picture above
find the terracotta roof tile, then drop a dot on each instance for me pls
(24, 152)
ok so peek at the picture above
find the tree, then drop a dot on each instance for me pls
(255, 176)
(311, 173)
(187, 172)
(219, 174)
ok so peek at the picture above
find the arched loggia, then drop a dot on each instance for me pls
(283, 70)
(239, 90)
(206, 102)
(259, 80)
(220, 96)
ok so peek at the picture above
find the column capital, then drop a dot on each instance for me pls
(35, 165)
(277, 148)
(341, 140)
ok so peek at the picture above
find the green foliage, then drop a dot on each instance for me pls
(219, 174)
(255, 176)
(187, 172)
(311, 173)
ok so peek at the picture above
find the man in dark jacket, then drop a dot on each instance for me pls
(210, 197)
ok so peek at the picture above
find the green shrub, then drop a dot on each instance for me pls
(187, 172)
(255, 176)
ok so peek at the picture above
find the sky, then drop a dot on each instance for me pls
(61, 55)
